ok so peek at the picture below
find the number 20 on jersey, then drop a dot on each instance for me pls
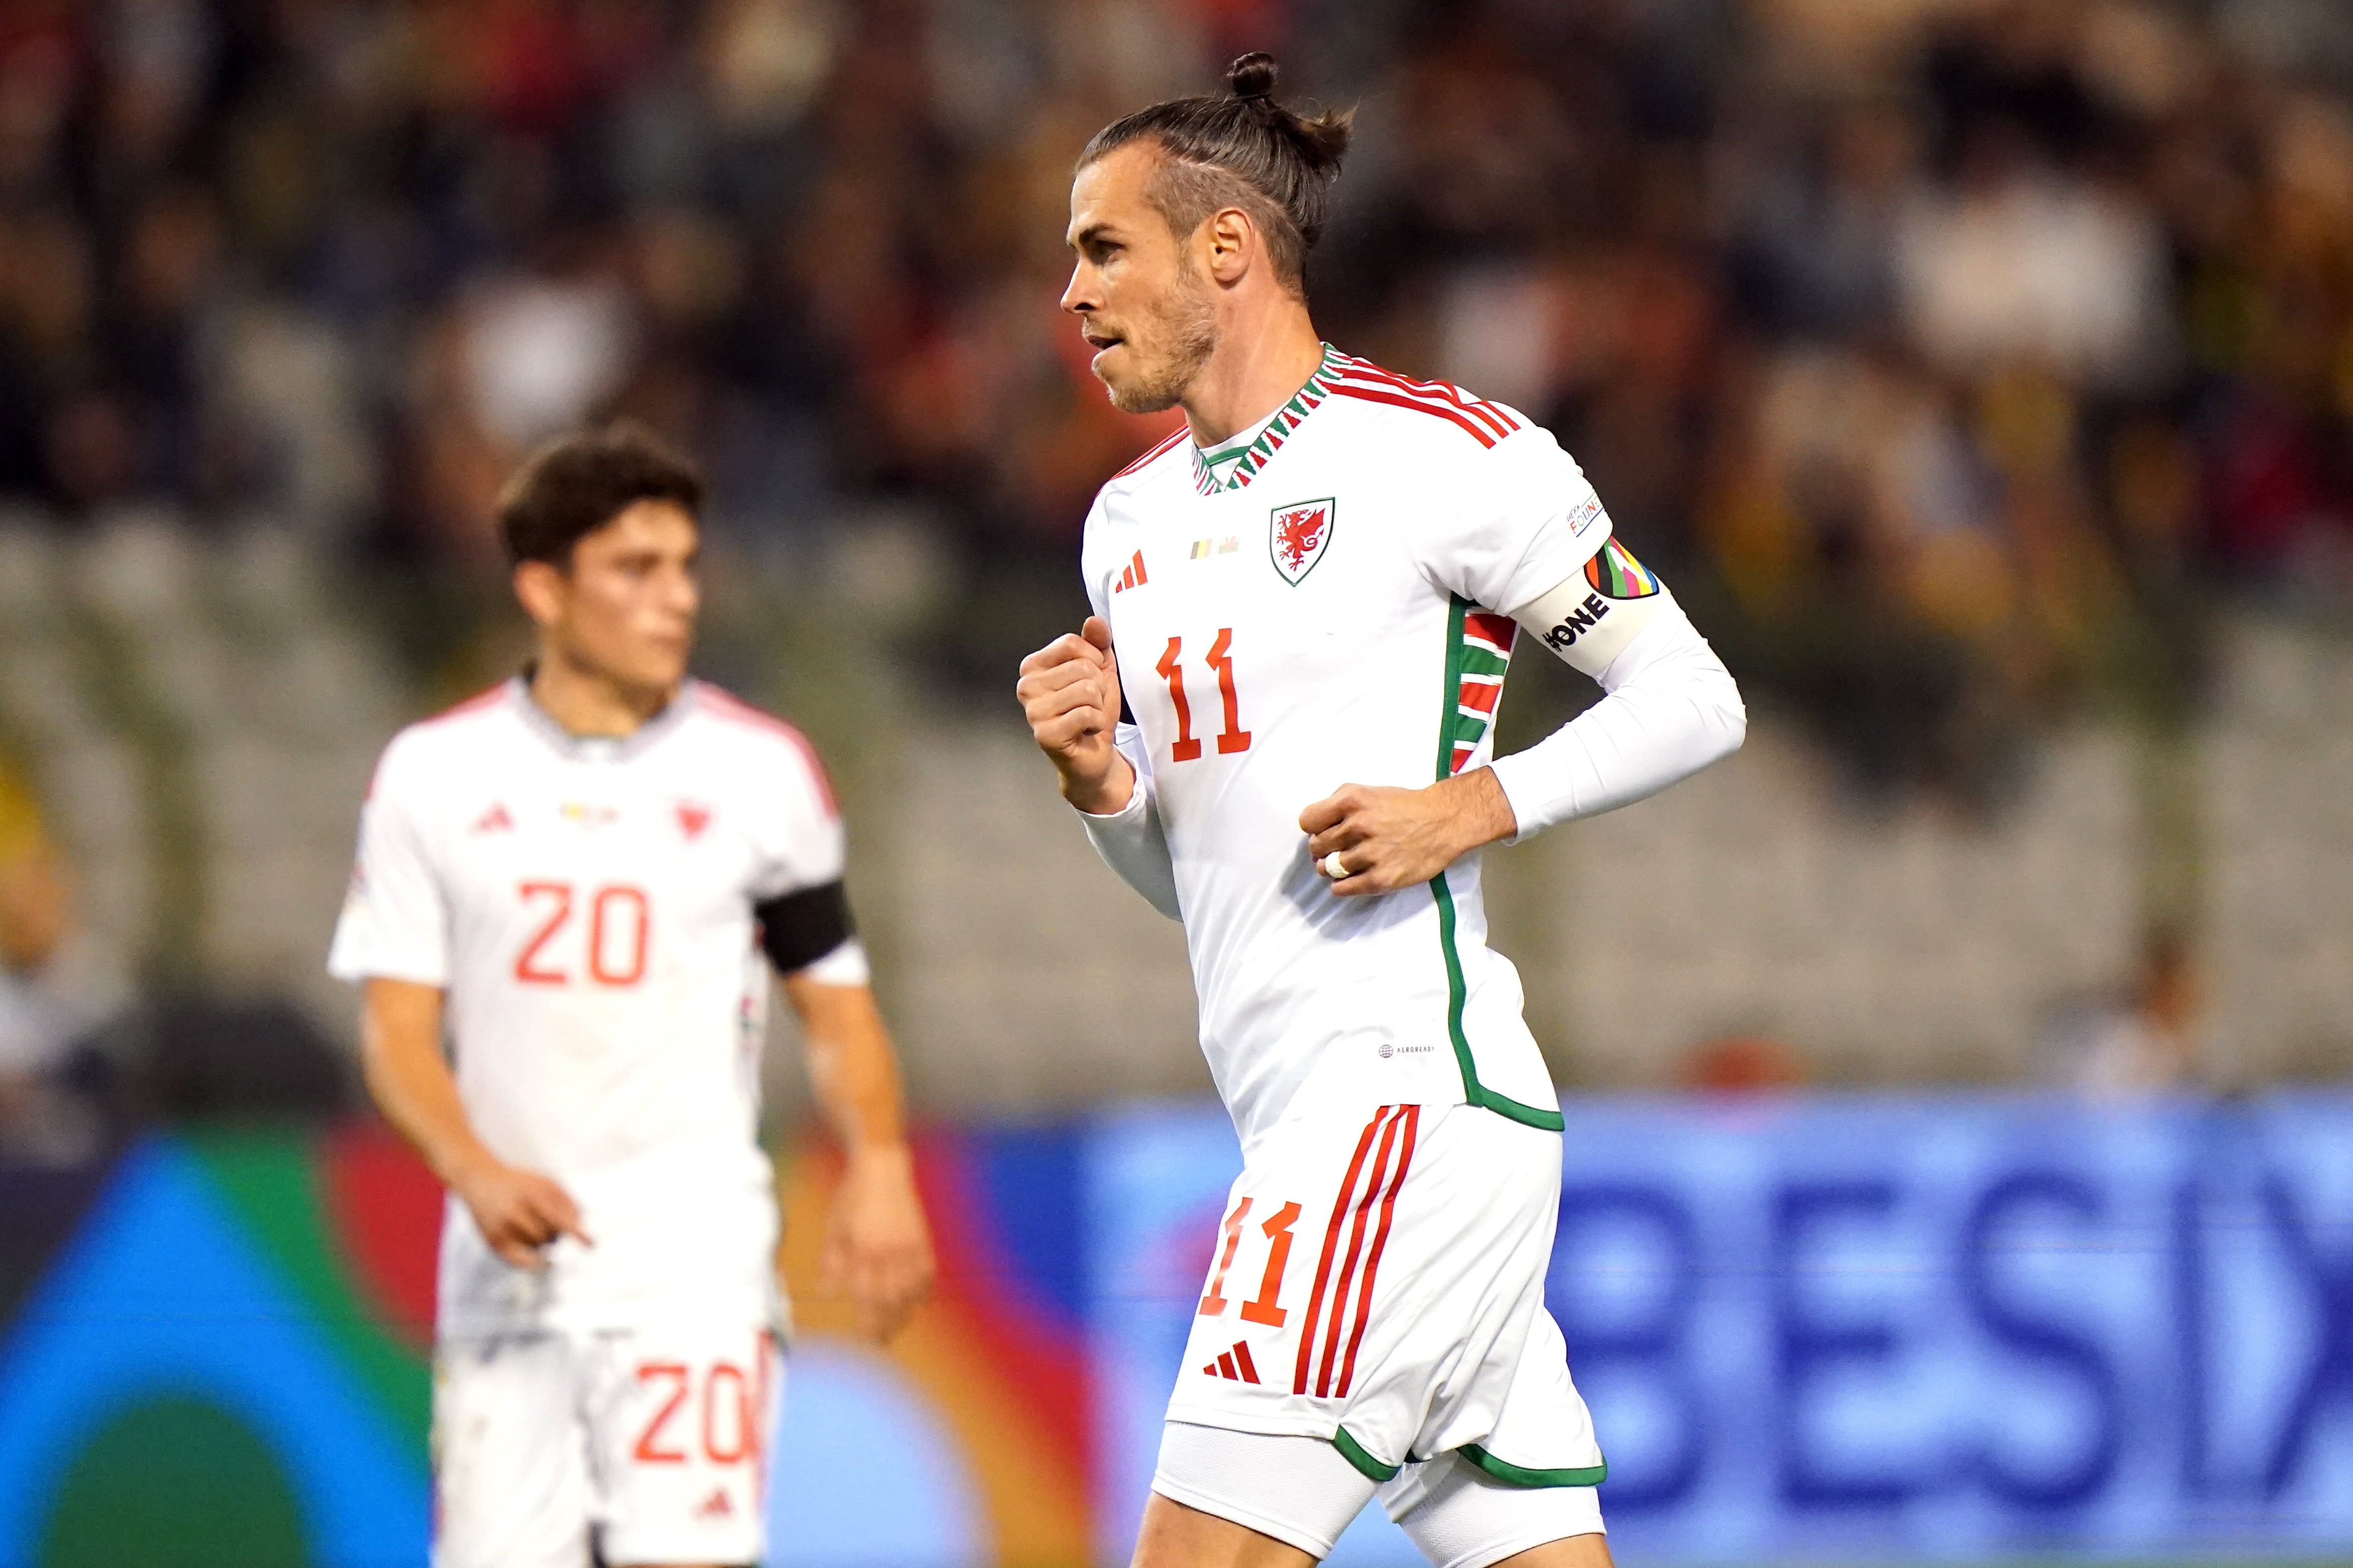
(606, 948)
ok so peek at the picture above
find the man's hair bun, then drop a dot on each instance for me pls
(1240, 148)
(1253, 76)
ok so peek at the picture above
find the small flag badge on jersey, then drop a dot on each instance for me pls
(1297, 536)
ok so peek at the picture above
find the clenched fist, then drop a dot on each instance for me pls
(1070, 692)
(1385, 838)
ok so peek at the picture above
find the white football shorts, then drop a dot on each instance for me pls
(1303, 1491)
(1378, 1282)
(653, 1442)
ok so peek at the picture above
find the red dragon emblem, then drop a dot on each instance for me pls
(1300, 534)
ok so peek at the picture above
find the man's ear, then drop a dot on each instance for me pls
(539, 586)
(1230, 235)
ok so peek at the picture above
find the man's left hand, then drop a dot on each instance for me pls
(1389, 839)
(878, 1251)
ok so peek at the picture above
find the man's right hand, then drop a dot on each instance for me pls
(518, 1212)
(1070, 691)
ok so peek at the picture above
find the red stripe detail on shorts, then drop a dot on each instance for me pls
(1242, 1360)
(1373, 1263)
(1356, 1250)
(1331, 1245)
(1226, 1365)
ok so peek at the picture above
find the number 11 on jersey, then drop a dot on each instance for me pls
(1188, 747)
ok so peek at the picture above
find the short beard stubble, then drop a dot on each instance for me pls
(1192, 325)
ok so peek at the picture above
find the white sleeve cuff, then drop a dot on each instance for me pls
(1131, 843)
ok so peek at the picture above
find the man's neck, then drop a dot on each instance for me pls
(583, 702)
(1256, 367)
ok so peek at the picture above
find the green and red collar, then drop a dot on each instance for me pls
(1210, 470)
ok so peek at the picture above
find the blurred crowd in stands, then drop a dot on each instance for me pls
(1953, 353)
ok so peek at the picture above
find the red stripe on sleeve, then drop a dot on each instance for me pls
(1487, 414)
(1149, 456)
(1399, 400)
(726, 705)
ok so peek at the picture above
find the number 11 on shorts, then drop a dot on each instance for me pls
(1276, 1228)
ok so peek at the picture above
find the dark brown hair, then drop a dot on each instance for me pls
(576, 484)
(1241, 148)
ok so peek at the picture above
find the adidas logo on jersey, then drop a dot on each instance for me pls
(1234, 1365)
(692, 819)
(1132, 577)
(718, 1505)
(494, 820)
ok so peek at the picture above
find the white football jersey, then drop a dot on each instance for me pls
(586, 905)
(1330, 605)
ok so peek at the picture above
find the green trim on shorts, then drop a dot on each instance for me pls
(1519, 1476)
(1354, 1452)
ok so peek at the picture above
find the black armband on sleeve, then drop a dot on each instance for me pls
(800, 928)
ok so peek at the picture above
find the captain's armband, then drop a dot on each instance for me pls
(1590, 619)
(800, 927)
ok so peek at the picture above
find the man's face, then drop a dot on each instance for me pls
(1143, 303)
(625, 608)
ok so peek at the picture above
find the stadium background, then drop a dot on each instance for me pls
(1961, 1166)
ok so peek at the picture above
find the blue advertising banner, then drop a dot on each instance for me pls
(1880, 1328)
(1818, 1330)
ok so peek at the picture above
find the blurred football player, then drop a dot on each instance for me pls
(580, 879)
(1278, 724)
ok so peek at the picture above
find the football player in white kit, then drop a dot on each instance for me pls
(581, 878)
(1277, 724)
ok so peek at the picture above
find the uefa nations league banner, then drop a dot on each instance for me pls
(1861, 1329)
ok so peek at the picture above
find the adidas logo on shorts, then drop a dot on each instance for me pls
(1233, 1365)
(718, 1505)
